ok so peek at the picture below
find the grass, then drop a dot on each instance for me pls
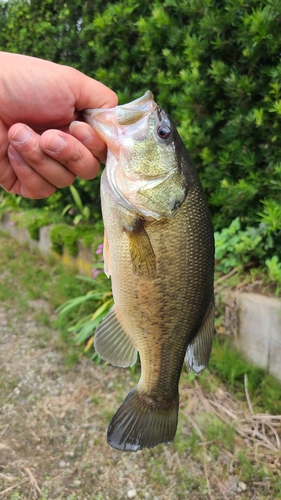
(226, 364)
(220, 447)
(50, 280)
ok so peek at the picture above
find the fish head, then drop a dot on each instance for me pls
(143, 171)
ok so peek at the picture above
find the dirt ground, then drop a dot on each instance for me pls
(54, 417)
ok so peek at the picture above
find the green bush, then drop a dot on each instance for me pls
(66, 237)
(33, 219)
(214, 65)
(236, 247)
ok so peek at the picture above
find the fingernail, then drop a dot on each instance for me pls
(82, 133)
(21, 135)
(55, 143)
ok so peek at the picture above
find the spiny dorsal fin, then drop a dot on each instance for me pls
(199, 351)
(142, 254)
(112, 343)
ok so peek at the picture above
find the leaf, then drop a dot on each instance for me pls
(63, 212)
(86, 212)
(65, 308)
(76, 198)
(77, 219)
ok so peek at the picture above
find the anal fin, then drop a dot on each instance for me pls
(112, 343)
(199, 350)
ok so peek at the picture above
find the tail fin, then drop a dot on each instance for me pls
(141, 422)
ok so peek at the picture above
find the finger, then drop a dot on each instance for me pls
(27, 144)
(71, 153)
(7, 175)
(27, 182)
(90, 93)
(86, 134)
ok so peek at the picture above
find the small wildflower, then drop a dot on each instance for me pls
(95, 272)
(11, 223)
(99, 250)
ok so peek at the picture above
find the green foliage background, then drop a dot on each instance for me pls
(214, 65)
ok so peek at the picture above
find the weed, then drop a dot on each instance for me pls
(228, 365)
(43, 317)
(95, 399)
(274, 270)
(71, 359)
(15, 495)
(218, 433)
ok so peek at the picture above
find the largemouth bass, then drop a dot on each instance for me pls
(159, 251)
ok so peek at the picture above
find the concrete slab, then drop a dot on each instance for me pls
(259, 337)
(274, 360)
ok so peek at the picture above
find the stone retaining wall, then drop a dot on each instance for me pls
(83, 262)
(259, 331)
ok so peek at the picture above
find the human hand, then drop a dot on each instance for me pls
(40, 149)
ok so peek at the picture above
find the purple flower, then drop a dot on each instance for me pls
(95, 272)
(99, 249)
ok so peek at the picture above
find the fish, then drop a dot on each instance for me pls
(159, 252)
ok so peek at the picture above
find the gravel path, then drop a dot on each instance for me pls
(52, 439)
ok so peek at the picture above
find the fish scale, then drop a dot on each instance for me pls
(159, 251)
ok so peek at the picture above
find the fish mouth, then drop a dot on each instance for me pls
(107, 121)
(126, 114)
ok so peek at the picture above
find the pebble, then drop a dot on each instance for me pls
(131, 493)
(242, 486)
(62, 463)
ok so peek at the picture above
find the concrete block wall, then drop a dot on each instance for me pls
(259, 331)
(83, 262)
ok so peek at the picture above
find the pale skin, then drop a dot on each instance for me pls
(42, 145)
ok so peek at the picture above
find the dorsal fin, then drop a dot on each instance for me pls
(112, 342)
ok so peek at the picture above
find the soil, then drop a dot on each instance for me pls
(52, 437)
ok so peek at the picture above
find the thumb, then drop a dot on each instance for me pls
(90, 93)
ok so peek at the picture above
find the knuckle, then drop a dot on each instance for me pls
(77, 157)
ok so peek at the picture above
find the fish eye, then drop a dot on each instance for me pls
(163, 131)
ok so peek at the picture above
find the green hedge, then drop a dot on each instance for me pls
(213, 64)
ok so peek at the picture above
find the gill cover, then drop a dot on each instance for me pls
(142, 170)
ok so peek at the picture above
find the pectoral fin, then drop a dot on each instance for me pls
(199, 351)
(142, 254)
(112, 343)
